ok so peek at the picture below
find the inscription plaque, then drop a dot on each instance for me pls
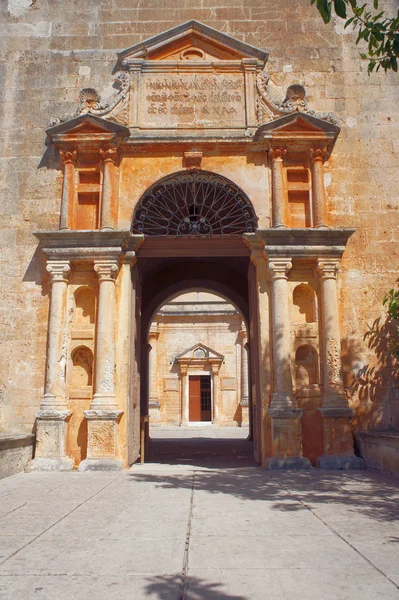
(192, 100)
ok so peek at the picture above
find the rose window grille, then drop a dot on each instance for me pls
(197, 203)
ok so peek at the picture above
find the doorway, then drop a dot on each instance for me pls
(200, 398)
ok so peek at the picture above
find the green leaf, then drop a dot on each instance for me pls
(376, 4)
(324, 8)
(340, 8)
(349, 21)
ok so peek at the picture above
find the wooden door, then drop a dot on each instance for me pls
(194, 398)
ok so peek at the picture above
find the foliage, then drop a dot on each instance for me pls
(381, 33)
(391, 301)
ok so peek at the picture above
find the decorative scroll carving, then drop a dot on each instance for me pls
(194, 203)
(294, 101)
(115, 109)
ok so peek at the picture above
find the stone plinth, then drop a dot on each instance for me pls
(102, 441)
(286, 439)
(16, 450)
(338, 441)
(51, 439)
(380, 450)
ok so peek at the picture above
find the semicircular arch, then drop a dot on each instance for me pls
(194, 203)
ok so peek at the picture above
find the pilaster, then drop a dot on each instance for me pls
(317, 156)
(278, 187)
(108, 156)
(68, 158)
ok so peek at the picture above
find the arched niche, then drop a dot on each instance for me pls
(85, 302)
(82, 367)
(306, 366)
(304, 304)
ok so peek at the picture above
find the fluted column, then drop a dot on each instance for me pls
(108, 156)
(317, 156)
(51, 424)
(104, 414)
(68, 187)
(338, 439)
(286, 423)
(278, 187)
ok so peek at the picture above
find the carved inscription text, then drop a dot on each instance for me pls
(192, 100)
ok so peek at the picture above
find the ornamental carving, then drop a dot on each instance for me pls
(114, 109)
(294, 101)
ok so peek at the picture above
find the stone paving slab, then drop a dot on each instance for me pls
(218, 527)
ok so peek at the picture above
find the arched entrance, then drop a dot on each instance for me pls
(193, 223)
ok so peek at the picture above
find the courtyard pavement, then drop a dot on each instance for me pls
(199, 521)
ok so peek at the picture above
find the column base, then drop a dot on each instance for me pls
(50, 464)
(100, 464)
(338, 462)
(297, 463)
(102, 426)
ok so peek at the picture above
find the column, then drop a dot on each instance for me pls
(184, 395)
(338, 439)
(244, 370)
(52, 418)
(318, 192)
(108, 156)
(278, 187)
(215, 393)
(286, 424)
(104, 414)
(259, 331)
(68, 187)
(153, 403)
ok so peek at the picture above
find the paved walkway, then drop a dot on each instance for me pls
(214, 526)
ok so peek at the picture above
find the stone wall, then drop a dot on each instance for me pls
(48, 54)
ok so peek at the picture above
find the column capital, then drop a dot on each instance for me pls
(317, 154)
(277, 153)
(68, 156)
(153, 335)
(279, 267)
(106, 270)
(183, 369)
(59, 270)
(215, 367)
(108, 154)
(327, 268)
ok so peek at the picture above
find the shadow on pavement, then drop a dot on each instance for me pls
(202, 452)
(164, 587)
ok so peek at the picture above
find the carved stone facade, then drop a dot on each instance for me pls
(271, 213)
(198, 335)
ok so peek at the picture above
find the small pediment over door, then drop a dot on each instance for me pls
(199, 352)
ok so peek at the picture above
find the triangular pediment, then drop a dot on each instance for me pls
(86, 125)
(192, 41)
(198, 352)
(301, 123)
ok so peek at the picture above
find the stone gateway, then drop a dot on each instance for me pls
(200, 170)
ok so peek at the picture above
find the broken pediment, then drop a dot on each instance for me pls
(87, 128)
(192, 41)
(299, 130)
